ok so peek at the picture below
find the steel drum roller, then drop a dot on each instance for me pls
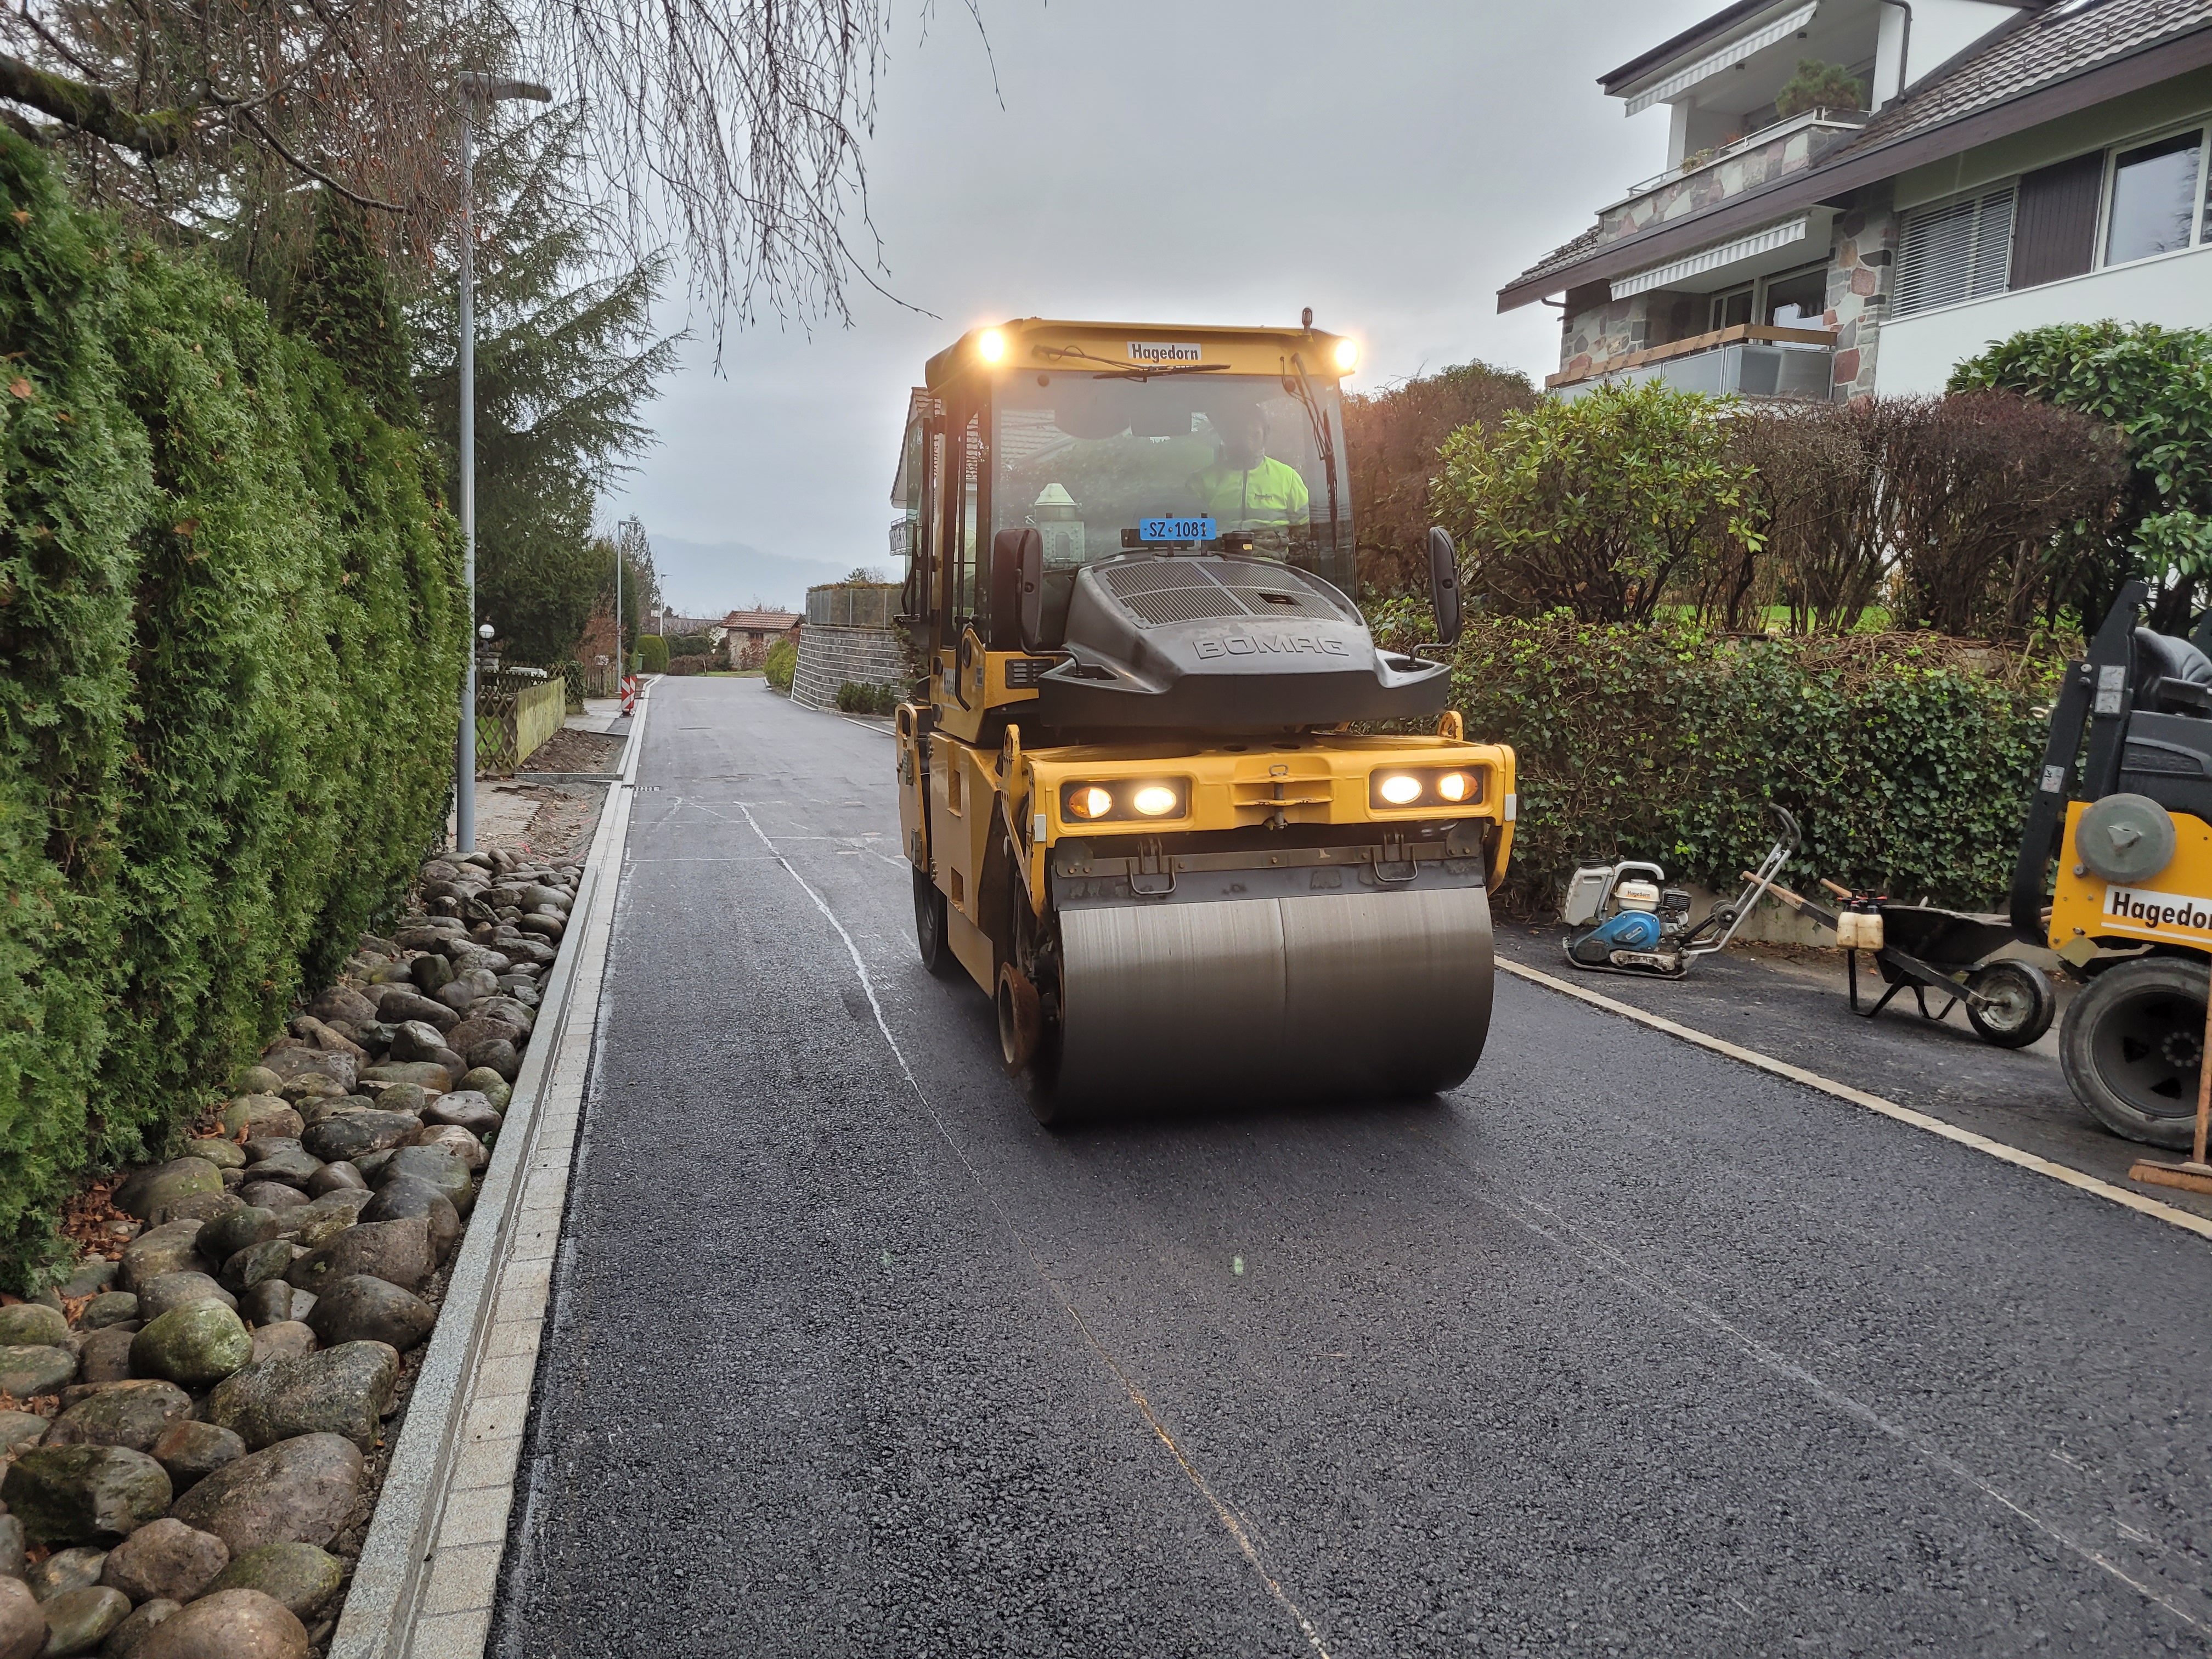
(1363, 993)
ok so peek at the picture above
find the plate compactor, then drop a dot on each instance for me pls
(2128, 820)
(1137, 815)
(1635, 923)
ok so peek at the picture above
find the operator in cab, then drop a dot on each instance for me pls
(1247, 488)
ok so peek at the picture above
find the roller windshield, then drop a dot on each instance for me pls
(1106, 467)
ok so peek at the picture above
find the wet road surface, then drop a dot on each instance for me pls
(1619, 1348)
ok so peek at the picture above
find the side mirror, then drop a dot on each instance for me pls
(1010, 558)
(1032, 598)
(1444, 586)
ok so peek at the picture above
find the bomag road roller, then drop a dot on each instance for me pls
(1137, 813)
(2128, 818)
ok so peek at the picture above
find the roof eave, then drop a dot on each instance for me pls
(2160, 60)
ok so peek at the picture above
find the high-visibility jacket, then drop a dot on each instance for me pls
(1270, 495)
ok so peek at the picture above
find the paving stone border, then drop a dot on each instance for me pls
(428, 1570)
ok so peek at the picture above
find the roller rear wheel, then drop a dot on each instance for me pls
(2132, 1046)
(929, 926)
(2021, 1004)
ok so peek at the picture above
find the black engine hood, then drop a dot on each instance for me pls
(1226, 644)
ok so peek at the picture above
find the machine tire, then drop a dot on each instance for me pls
(929, 926)
(2131, 1045)
(2027, 1004)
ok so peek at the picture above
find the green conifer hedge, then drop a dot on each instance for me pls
(231, 642)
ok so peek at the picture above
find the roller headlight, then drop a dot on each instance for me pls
(1154, 800)
(1427, 786)
(993, 346)
(1126, 799)
(1347, 356)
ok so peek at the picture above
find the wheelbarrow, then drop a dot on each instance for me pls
(1924, 948)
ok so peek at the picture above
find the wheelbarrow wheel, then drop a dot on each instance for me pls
(2021, 1004)
(2132, 1045)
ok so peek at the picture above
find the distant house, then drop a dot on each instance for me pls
(2008, 166)
(669, 625)
(750, 633)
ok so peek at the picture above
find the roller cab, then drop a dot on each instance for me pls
(1136, 814)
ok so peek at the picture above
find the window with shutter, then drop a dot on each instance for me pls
(1952, 251)
(2056, 236)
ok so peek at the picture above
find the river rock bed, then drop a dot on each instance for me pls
(193, 1428)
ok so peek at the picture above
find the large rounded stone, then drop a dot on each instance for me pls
(171, 1248)
(399, 1006)
(417, 1039)
(218, 1149)
(146, 1191)
(79, 1620)
(192, 1450)
(464, 1109)
(22, 1621)
(269, 1302)
(197, 1345)
(363, 1309)
(345, 1390)
(266, 1113)
(127, 1640)
(108, 1308)
(497, 1056)
(347, 1138)
(304, 1578)
(277, 1195)
(14, 1548)
(105, 1355)
(408, 1098)
(134, 1414)
(256, 1263)
(291, 1164)
(21, 1429)
(429, 1076)
(297, 1492)
(436, 1165)
(338, 1175)
(455, 1140)
(340, 1002)
(247, 1225)
(490, 1084)
(205, 1206)
(481, 1029)
(27, 1370)
(84, 1494)
(304, 1062)
(323, 1220)
(66, 1569)
(412, 1195)
(165, 1558)
(167, 1291)
(231, 1624)
(32, 1323)
(397, 1251)
(430, 973)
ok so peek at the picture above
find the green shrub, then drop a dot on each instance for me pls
(1907, 759)
(654, 650)
(781, 663)
(689, 665)
(2155, 385)
(230, 654)
(856, 698)
(572, 672)
(691, 645)
(1817, 85)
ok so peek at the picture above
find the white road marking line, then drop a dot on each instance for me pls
(1935, 1126)
(1222, 1511)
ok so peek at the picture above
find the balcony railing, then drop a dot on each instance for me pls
(1697, 162)
(1747, 360)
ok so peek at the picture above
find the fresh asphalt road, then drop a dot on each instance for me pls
(1621, 1347)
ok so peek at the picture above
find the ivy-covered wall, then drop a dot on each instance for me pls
(231, 643)
(1907, 759)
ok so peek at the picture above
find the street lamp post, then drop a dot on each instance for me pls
(490, 90)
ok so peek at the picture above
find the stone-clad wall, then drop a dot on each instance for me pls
(1861, 269)
(1709, 186)
(829, 656)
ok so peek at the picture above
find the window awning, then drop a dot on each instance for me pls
(1733, 53)
(1712, 259)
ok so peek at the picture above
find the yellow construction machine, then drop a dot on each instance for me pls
(1137, 814)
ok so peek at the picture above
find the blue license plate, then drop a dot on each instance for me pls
(1177, 530)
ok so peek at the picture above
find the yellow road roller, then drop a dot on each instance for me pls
(2128, 816)
(1137, 811)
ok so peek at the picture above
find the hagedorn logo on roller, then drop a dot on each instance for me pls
(2149, 909)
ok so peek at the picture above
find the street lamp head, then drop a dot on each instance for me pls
(492, 90)
(484, 633)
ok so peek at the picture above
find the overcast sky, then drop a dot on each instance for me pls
(1391, 165)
